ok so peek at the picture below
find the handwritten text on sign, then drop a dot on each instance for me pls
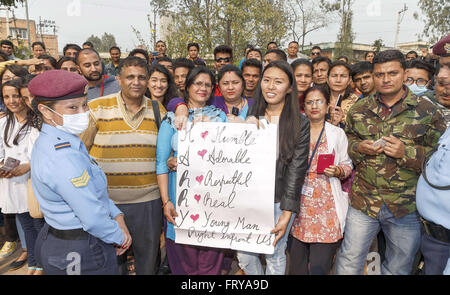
(226, 186)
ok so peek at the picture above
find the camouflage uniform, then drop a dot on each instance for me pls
(418, 124)
(445, 111)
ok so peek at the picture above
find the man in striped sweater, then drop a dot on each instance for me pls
(121, 137)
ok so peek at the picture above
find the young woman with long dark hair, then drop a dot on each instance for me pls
(276, 101)
(16, 141)
(161, 85)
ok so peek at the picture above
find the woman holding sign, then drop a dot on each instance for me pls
(318, 229)
(277, 102)
(232, 102)
(186, 259)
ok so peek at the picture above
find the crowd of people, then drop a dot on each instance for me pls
(89, 157)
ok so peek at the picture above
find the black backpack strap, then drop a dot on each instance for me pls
(156, 113)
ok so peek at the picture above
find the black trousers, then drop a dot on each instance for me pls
(319, 256)
(144, 222)
(9, 221)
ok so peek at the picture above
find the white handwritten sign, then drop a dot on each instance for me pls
(226, 186)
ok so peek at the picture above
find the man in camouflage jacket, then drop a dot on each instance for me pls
(389, 133)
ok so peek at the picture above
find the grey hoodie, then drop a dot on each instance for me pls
(110, 86)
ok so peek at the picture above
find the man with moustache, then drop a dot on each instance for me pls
(433, 186)
(112, 69)
(362, 76)
(321, 66)
(251, 71)
(91, 67)
(389, 133)
(125, 149)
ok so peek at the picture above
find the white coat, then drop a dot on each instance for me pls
(13, 191)
(337, 141)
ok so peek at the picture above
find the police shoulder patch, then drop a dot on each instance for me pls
(81, 181)
(62, 145)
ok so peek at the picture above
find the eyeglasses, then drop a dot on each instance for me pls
(315, 53)
(419, 82)
(201, 84)
(226, 59)
(311, 102)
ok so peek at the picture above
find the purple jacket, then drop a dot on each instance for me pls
(218, 102)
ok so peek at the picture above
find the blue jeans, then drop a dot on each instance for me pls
(275, 263)
(90, 256)
(31, 227)
(21, 233)
(402, 241)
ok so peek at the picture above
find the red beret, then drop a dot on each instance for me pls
(58, 85)
(442, 47)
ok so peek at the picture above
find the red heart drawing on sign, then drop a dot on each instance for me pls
(195, 217)
(199, 179)
(197, 197)
(202, 153)
(204, 134)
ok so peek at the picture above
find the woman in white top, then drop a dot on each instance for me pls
(16, 140)
(318, 229)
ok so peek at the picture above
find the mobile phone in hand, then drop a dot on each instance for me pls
(324, 162)
(339, 101)
(10, 164)
(380, 142)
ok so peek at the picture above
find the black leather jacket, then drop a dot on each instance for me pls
(289, 178)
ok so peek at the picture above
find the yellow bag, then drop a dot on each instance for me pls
(33, 205)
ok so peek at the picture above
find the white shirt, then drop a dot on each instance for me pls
(13, 191)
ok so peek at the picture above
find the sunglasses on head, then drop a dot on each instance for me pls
(226, 59)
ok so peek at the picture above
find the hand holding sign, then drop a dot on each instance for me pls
(170, 213)
(223, 199)
(280, 228)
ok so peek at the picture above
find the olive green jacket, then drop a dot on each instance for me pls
(419, 124)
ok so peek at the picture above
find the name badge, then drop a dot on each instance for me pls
(307, 191)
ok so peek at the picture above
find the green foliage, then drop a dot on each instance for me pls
(11, 2)
(377, 45)
(104, 43)
(305, 16)
(236, 23)
(436, 17)
(22, 51)
(346, 35)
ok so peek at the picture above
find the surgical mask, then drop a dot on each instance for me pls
(74, 124)
(418, 90)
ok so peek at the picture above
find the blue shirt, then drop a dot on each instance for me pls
(168, 142)
(241, 62)
(70, 188)
(434, 204)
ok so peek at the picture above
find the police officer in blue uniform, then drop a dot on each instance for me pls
(84, 230)
(433, 192)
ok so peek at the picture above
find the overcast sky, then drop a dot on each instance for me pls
(79, 19)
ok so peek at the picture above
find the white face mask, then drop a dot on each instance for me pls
(74, 124)
(418, 90)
